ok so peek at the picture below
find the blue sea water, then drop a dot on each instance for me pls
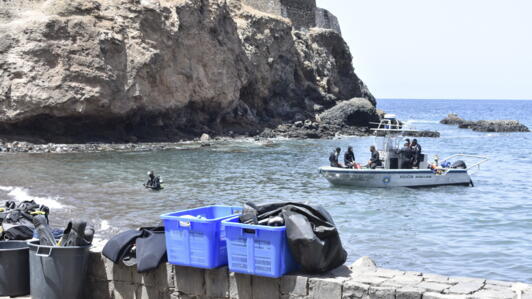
(484, 231)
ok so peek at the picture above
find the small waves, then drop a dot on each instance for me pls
(20, 194)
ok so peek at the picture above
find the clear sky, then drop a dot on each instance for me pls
(460, 49)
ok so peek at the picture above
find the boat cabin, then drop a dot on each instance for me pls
(389, 140)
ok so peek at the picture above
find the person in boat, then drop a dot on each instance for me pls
(406, 155)
(154, 182)
(416, 153)
(349, 158)
(375, 159)
(333, 158)
(407, 142)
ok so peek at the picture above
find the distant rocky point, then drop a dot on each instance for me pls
(485, 125)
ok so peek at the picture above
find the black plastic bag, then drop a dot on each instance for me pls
(312, 235)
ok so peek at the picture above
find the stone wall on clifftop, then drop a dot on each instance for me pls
(304, 14)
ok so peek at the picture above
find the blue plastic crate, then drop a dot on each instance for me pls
(257, 249)
(197, 242)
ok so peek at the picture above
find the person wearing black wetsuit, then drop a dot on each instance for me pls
(333, 158)
(153, 182)
(349, 158)
(416, 153)
(375, 159)
(406, 156)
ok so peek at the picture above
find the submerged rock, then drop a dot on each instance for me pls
(485, 125)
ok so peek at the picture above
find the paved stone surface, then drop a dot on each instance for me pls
(433, 286)
(466, 287)
(365, 281)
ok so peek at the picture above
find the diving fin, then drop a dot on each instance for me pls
(46, 236)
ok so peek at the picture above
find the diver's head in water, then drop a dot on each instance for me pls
(150, 174)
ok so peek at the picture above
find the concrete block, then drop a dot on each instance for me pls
(434, 295)
(436, 278)
(97, 268)
(239, 286)
(388, 273)
(381, 293)
(325, 287)
(407, 279)
(366, 279)
(499, 283)
(433, 286)
(98, 289)
(408, 293)
(492, 294)
(217, 282)
(466, 287)
(354, 290)
(125, 290)
(364, 264)
(458, 279)
(146, 292)
(189, 281)
(294, 285)
(157, 278)
(265, 287)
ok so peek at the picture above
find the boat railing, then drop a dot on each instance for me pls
(482, 160)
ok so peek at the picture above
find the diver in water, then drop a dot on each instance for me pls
(349, 158)
(154, 182)
(333, 158)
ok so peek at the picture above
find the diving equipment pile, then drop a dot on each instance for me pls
(145, 248)
(17, 221)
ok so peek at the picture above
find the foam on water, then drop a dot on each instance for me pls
(20, 194)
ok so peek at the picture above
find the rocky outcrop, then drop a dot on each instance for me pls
(357, 112)
(130, 70)
(485, 125)
(452, 119)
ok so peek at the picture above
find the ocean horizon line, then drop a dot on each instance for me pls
(450, 99)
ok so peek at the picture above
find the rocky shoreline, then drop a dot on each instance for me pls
(485, 125)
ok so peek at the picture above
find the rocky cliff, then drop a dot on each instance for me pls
(130, 70)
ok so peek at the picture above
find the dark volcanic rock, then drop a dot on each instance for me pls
(424, 133)
(485, 125)
(452, 119)
(358, 112)
(116, 71)
(494, 126)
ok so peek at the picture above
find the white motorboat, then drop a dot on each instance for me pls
(389, 174)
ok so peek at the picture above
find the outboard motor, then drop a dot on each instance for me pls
(459, 164)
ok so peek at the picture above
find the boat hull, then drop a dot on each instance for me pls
(386, 178)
